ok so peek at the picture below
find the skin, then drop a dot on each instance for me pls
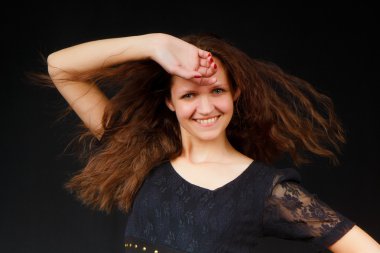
(355, 241)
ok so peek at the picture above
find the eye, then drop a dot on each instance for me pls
(218, 91)
(187, 96)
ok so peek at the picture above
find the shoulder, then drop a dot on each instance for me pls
(278, 174)
(160, 166)
(271, 176)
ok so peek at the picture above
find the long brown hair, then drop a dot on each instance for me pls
(275, 114)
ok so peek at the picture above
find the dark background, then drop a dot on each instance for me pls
(334, 48)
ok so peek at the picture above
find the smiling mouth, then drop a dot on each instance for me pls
(207, 122)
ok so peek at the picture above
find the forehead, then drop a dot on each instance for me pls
(179, 84)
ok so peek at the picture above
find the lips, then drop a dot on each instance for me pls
(207, 122)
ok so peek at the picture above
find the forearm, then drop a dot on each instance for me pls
(101, 53)
(355, 241)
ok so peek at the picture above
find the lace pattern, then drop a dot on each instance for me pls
(291, 212)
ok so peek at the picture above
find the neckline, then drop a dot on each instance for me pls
(233, 181)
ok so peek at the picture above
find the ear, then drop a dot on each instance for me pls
(169, 104)
(237, 93)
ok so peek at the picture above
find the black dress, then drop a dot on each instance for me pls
(169, 214)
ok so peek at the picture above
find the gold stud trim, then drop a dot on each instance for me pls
(144, 248)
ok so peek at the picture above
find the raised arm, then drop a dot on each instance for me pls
(88, 101)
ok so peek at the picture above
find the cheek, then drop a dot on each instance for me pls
(225, 106)
(185, 111)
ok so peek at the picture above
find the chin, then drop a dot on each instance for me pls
(203, 135)
(207, 137)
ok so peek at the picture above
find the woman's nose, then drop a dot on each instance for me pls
(205, 105)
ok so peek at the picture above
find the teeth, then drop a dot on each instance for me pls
(207, 121)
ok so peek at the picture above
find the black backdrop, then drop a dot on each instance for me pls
(333, 48)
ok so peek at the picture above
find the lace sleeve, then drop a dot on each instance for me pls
(291, 212)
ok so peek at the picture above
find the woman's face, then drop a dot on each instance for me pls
(203, 111)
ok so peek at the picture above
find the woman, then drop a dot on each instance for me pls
(186, 142)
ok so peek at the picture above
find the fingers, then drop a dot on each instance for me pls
(207, 68)
(208, 63)
(206, 58)
(203, 74)
(205, 81)
(207, 71)
(203, 54)
(202, 79)
(186, 74)
(205, 63)
(200, 73)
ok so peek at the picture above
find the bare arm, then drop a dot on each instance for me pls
(88, 101)
(355, 241)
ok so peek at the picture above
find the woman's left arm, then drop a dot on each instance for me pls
(355, 241)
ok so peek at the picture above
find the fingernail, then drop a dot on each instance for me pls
(215, 66)
(197, 76)
(211, 60)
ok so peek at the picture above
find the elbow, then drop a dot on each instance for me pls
(56, 67)
(53, 67)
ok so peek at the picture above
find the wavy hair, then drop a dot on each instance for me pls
(275, 114)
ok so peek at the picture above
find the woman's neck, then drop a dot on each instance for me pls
(200, 151)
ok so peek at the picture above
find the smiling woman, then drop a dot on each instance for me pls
(203, 111)
(186, 144)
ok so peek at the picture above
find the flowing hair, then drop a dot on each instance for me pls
(275, 114)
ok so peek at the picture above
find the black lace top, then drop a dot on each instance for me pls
(173, 215)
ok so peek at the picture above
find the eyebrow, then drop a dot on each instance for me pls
(212, 86)
(217, 85)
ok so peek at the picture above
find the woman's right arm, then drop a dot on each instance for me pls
(176, 56)
(87, 100)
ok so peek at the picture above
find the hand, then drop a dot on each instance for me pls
(183, 59)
